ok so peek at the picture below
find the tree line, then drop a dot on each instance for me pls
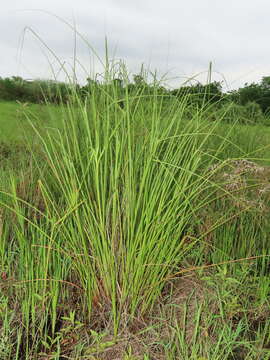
(252, 101)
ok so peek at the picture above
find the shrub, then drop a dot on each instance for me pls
(253, 112)
(249, 114)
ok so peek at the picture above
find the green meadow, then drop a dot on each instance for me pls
(138, 231)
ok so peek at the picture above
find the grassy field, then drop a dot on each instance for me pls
(133, 232)
(14, 123)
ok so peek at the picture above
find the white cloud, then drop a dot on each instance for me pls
(174, 35)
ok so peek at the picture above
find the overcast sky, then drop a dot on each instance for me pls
(175, 37)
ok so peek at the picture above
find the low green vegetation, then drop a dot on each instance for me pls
(134, 225)
(14, 124)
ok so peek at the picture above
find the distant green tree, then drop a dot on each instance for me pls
(89, 87)
(139, 80)
(265, 82)
(36, 91)
(200, 94)
(258, 93)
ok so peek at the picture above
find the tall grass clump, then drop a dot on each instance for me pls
(112, 207)
(124, 182)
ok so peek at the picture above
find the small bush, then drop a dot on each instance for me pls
(254, 112)
(249, 114)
